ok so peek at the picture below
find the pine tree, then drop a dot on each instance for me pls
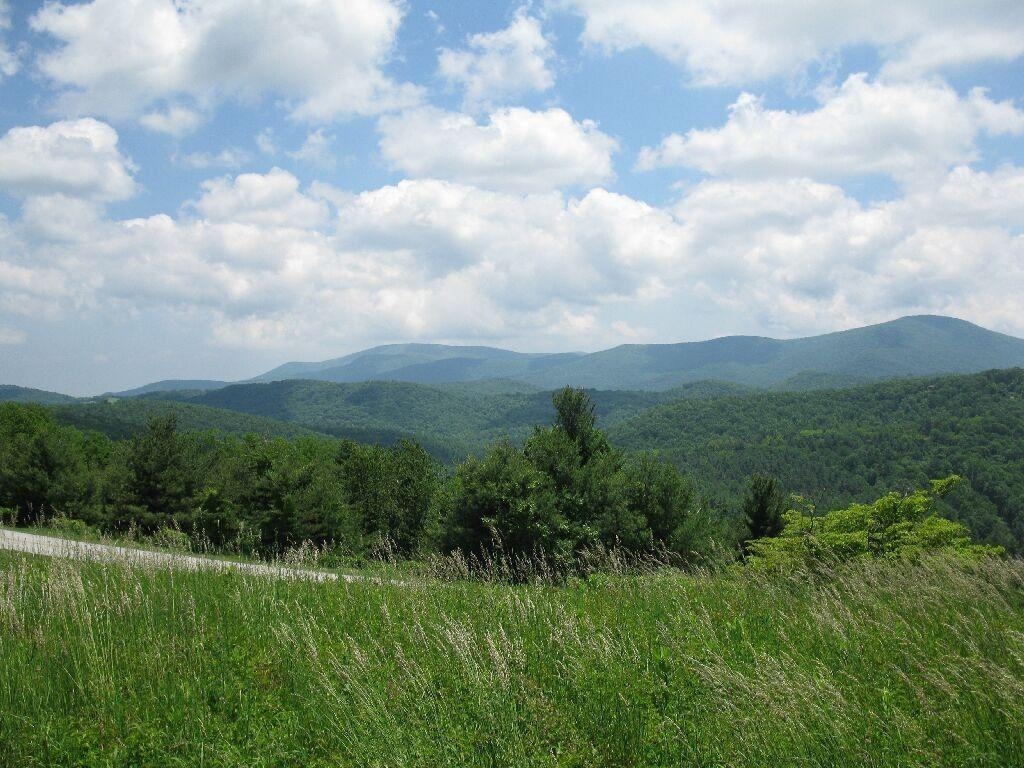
(763, 507)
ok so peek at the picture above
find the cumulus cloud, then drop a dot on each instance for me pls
(802, 255)
(516, 149)
(316, 150)
(421, 259)
(79, 158)
(267, 263)
(175, 120)
(740, 41)
(503, 64)
(904, 130)
(271, 199)
(324, 57)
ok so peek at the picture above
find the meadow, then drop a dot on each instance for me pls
(870, 663)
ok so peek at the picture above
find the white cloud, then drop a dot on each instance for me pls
(271, 199)
(973, 198)
(59, 218)
(9, 63)
(502, 64)
(174, 121)
(324, 57)
(79, 158)
(904, 130)
(259, 261)
(316, 150)
(265, 141)
(231, 157)
(517, 149)
(739, 41)
(422, 259)
(800, 255)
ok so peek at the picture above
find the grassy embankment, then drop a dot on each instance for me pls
(871, 665)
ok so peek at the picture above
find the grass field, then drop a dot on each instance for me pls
(869, 665)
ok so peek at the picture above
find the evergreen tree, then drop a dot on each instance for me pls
(763, 506)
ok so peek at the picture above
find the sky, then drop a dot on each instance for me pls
(208, 188)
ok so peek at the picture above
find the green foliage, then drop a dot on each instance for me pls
(566, 491)
(42, 464)
(122, 418)
(896, 526)
(854, 445)
(763, 507)
(161, 474)
(12, 394)
(833, 447)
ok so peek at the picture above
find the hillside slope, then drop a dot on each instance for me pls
(122, 418)
(856, 444)
(450, 421)
(12, 394)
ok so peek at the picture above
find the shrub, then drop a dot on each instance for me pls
(896, 526)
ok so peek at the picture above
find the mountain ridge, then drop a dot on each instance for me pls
(911, 346)
(915, 345)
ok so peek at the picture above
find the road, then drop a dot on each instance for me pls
(55, 547)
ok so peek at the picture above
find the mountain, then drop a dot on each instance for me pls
(911, 346)
(170, 385)
(423, 364)
(12, 394)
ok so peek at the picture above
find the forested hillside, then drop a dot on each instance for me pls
(12, 394)
(450, 421)
(123, 418)
(910, 346)
(832, 446)
(853, 444)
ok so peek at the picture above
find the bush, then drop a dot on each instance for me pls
(72, 529)
(895, 527)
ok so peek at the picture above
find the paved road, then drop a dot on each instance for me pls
(55, 547)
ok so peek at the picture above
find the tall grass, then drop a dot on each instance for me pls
(867, 665)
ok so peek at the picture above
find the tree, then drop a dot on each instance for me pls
(895, 527)
(504, 499)
(574, 415)
(42, 465)
(763, 506)
(161, 480)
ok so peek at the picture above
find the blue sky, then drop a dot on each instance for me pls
(207, 188)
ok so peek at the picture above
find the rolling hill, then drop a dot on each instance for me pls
(839, 446)
(449, 421)
(122, 418)
(170, 385)
(12, 394)
(911, 346)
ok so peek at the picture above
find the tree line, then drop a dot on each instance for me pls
(565, 490)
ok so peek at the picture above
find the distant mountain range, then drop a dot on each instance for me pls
(910, 346)
(920, 345)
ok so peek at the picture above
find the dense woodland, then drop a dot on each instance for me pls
(673, 467)
(565, 490)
